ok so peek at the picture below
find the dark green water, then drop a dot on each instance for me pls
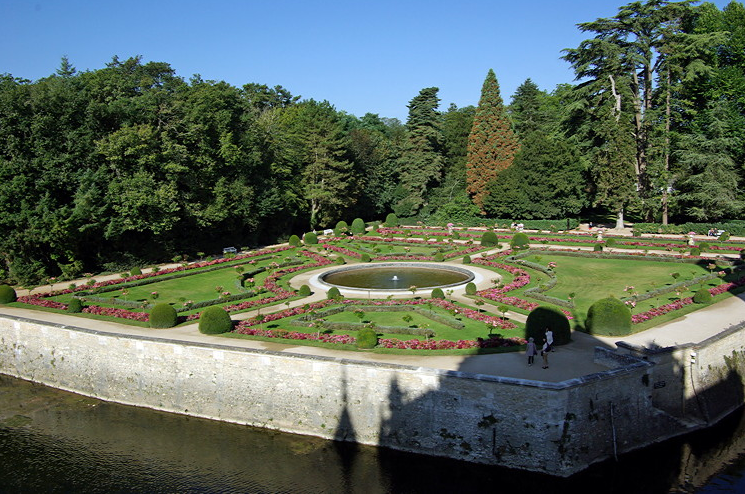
(52, 441)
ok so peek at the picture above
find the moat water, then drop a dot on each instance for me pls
(53, 441)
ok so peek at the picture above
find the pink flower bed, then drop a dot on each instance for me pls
(114, 312)
(449, 345)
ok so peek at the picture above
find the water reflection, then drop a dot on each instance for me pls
(60, 442)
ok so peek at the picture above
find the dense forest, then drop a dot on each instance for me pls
(131, 163)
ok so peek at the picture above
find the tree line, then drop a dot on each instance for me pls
(131, 163)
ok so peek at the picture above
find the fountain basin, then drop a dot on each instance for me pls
(395, 277)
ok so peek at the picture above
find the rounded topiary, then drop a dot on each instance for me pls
(304, 291)
(341, 228)
(608, 317)
(340, 260)
(723, 237)
(610, 242)
(367, 338)
(489, 239)
(358, 226)
(438, 257)
(695, 251)
(7, 294)
(163, 316)
(391, 220)
(466, 259)
(214, 320)
(294, 241)
(365, 257)
(703, 246)
(598, 248)
(520, 241)
(543, 317)
(702, 296)
(311, 238)
(333, 293)
(135, 271)
(438, 293)
(75, 306)
(471, 288)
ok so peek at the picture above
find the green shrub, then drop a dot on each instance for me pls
(340, 260)
(608, 317)
(438, 293)
(333, 293)
(294, 241)
(724, 237)
(466, 259)
(365, 257)
(163, 316)
(135, 271)
(471, 288)
(7, 294)
(520, 241)
(544, 317)
(703, 246)
(702, 296)
(341, 228)
(358, 226)
(695, 251)
(214, 320)
(489, 239)
(304, 291)
(598, 248)
(610, 242)
(391, 220)
(438, 257)
(367, 338)
(311, 238)
(75, 306)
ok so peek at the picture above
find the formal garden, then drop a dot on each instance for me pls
(587, 281)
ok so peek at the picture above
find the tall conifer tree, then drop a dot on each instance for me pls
(492, 144)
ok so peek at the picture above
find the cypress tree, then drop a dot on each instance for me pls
(492, 144)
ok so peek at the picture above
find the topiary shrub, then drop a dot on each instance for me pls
(702, 296)
(597, 248)
(466, 259)
(471, 288)
(341, 228)
(438, 293)
(489, 239)
(391, 220)
(214, 320)
(163, 316)
(695, 251)
(340, 260)
(367, 338)
(544, 317)
(438, 257)
(294, 241)
(723, 237)
(311, 238)
(610, 242)
(304, 291)
(358, 226)
(333, 293)
(75, 306)
(7, 294)
(365, 257)
(608, 317)
(135, 271)
(703, 246)
(520, 241)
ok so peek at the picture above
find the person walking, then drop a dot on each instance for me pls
(544, 354)
(531, 351)
(550, 339)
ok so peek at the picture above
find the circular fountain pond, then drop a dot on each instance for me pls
(396, 276)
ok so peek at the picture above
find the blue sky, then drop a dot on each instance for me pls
(371, 56)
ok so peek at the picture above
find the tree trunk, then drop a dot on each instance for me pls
(666, 184)
(619, 219)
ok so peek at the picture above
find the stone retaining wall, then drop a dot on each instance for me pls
(557, 428)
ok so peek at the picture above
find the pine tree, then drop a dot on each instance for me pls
(492, 144)
(422, 160)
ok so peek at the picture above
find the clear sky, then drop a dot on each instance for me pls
(362, 56)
